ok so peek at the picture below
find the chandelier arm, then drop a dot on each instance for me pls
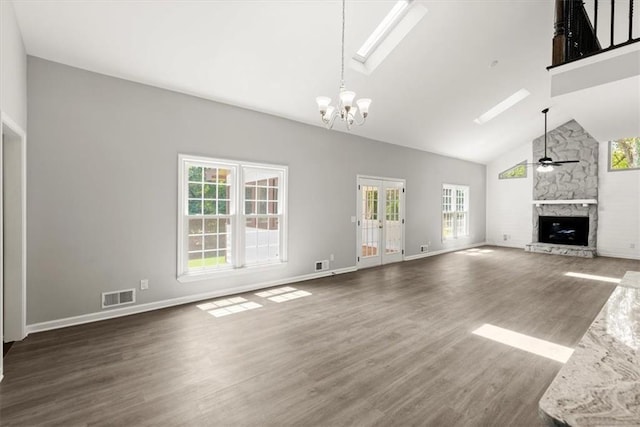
(331, 120)
(359, 122)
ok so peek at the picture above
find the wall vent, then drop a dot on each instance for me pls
(113, 299)
(322, 265)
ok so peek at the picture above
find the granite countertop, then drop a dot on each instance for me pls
(600, 384)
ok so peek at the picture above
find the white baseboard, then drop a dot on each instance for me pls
(443, 251)
(615, 254)
(141, 308)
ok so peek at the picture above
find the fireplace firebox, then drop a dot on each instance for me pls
(564, 230)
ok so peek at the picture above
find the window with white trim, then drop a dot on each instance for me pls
(231, 215)
(455, 211)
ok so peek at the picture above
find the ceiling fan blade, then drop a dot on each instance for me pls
(566, 161)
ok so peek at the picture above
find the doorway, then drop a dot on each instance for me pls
(380, 224)
(12, 231)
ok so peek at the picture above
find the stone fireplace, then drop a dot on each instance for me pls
(569, 191)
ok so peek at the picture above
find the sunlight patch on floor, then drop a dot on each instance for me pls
(527, 343)
(227, 306)
(289, 296)
(474, 252)
(593, 277)
(276, 291)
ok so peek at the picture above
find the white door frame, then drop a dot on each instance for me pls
(401, 181)
(15, 327)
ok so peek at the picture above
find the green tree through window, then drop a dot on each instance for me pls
(624, 154)
(517, 171)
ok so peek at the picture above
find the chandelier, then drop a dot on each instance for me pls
(346, 111)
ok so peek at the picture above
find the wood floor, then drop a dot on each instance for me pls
(382, 346)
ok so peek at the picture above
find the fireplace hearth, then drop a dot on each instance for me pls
(564, 230)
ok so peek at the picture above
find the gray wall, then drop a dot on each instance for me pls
(13, 67)
(102, 187)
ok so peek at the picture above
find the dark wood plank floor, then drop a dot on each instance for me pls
(384, 346)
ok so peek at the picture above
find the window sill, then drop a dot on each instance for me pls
(208, 275)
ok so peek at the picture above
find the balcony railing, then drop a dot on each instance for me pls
(577, 32)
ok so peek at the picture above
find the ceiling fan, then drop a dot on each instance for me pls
(546, 163)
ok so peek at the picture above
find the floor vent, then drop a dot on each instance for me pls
(113, 299)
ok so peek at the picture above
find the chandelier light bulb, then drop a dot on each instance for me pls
(544, 168)
(323, 104)
(346, 98)
(363, 106)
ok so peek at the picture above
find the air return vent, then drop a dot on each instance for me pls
(322, 265)
(113, 299)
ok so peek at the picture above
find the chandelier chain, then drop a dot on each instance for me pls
(342, 69)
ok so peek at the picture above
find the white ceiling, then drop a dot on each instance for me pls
(277, 56)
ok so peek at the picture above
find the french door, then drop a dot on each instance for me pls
(380, 221)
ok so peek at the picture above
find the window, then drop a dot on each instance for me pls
(624, 154)
(455, 211)
(232, 215)
(517, 171)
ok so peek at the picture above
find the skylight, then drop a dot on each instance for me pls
(502, 106)
(389, 22)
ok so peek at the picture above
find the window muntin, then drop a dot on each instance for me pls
(231, 215)
(624, 154)
(455, 211)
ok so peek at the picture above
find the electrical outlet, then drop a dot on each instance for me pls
(144, 284)
(632, 245)
(424, 248)
(332, 258)
(505, 236)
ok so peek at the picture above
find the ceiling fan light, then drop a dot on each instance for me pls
(544, 168)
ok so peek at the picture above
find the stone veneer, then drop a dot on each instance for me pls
(567, 182)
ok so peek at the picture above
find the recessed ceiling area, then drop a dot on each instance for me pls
(276, 57)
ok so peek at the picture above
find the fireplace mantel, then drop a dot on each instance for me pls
(583, 202)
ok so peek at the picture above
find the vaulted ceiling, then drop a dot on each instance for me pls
(277, 56)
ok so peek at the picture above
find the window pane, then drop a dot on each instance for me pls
(195, 226)
(273, 208)
(195, 260)
(223, 191)
(211, 259)
(211, 242)
(209, 191)
(195, 191)
(195, 173)
(262, 194)
(250, 193)
(223, 206)
(250, 208)
(262, 207)
(209, 207)
(211, 225)
(195, 243)
(195, 207)
(210, 174)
